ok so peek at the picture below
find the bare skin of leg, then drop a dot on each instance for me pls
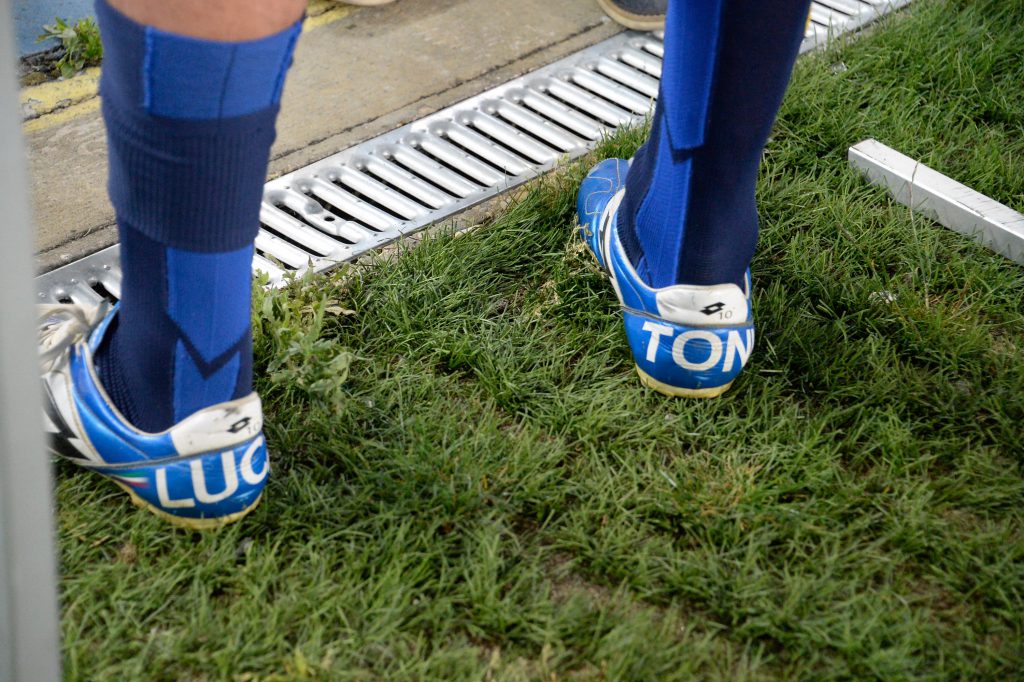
(222, 20)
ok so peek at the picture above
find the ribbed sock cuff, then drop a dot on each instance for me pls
(190, 124)
(193, 185)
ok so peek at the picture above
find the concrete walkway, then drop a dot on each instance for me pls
(357, 73)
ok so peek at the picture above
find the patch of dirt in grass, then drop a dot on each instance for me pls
(566, 583)
(522, 669)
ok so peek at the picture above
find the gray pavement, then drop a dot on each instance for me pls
(354, 77)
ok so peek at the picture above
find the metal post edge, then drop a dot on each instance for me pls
(29, 644)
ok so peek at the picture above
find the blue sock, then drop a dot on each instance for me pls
(689, 215)
(189, 127)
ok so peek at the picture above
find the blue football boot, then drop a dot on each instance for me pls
(687, 341)
(206, 471)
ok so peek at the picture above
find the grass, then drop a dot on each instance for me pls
(470, 483)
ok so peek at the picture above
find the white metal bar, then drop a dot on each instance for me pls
(29, 644)
(942, 199)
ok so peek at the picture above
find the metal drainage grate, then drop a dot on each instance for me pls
(369, 195)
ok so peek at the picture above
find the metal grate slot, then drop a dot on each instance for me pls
(622, 74)
(275, 274)
(378, 194)
(80, 293)
(587, 102)
(849, 8)
(559, 114)
(106, 294)
(826, 17)
(89, 283)
(364, 197)
(387, 220)
(637, 59)
(341, 228)
(291, 242)
(287, 227)
(657, 48)
(525, 146)
(432, 171)
(349, 206)
(479, 148)
(306, 210)
(609, 90)
(400, 180)
(550, 134)
(301, 220)
(270, 245)
(455, 159)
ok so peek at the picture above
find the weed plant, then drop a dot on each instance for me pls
(80, 43)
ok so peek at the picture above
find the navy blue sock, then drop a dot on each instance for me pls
(689, 214)
(189, 127)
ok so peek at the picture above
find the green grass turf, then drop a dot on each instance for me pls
(471, 484)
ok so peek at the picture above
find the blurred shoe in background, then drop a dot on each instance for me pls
(641, 15)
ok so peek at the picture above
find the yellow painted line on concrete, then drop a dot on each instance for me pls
(48, 97)
(61, 116)
(323, 12)
(57, 102)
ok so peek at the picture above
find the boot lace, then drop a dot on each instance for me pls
(63, 325)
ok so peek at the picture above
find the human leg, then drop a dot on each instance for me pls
(688, 213)
(680, 233)
(190, 100)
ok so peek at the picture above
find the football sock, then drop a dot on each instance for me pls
(189, 125)
(689, 215)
